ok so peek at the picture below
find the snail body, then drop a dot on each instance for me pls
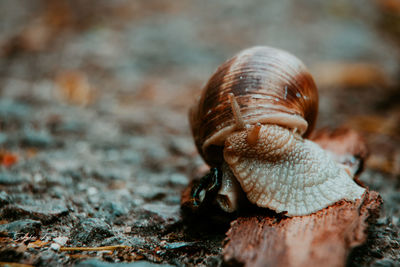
(251, 119)
(287, 173)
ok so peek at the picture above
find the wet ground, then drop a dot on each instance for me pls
(94, 136)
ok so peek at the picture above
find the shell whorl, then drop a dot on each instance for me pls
(270, 85)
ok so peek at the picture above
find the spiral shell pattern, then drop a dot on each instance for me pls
(270, 86)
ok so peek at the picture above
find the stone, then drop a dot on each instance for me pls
(111, 210)
(8, 178)
(61, 240)
(91, 230)
(11, 110)
(45, 211)
(55, 246)
(4, 199)
(21, 227)
(37, 139)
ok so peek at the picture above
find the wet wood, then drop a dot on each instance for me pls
(323, 238)
(342, 141)
(347, 146)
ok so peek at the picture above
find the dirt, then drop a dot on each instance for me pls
(95, 145)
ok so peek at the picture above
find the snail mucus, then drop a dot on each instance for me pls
(251, 125)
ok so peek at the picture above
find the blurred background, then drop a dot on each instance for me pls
(98, 88)
(123, 54)
(142, 59)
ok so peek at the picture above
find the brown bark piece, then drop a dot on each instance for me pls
(341, 141)
(347, 147)
(320, 239)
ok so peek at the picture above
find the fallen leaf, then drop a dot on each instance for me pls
(74, 88)
(7, 159)
(37, 244)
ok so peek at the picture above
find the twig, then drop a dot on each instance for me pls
(14, 264)
(93, 248)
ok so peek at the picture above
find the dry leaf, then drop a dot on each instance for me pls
(7, 159)
(74, 88)
(37, 244)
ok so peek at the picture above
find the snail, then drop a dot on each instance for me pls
(251, 125)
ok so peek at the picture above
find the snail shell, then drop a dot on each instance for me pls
(251, 119)
(270, 86)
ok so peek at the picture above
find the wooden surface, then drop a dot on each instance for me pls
(321, 239)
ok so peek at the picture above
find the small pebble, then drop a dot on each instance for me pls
(92, 191)
(61, 240)
(21, 227)
(55, 246)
